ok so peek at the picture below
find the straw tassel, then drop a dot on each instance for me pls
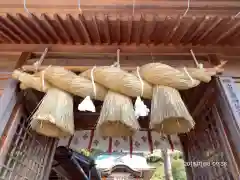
(54, 116)
(169, 114)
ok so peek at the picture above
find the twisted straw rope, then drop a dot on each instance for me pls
(129, 84)
(118, 80)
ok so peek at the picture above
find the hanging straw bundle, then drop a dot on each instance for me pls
(31, 81)
(117, 116)
(120, 81)
(162, 74)
(169, 114)
(54, 116)
(72, 83)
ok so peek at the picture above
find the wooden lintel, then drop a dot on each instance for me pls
(125, 49)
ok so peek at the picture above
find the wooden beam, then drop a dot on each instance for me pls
(125, 49)
(46, 6)
(22, 59)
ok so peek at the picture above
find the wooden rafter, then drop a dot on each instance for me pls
(119, 28)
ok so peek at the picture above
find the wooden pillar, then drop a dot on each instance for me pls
(8, 99)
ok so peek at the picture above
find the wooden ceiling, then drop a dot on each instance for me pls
(136, 26)
(103, 29)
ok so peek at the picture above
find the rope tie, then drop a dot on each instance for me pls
(199, 65)
(189, 76)
(140, 108)
(42, 76)
(38, 63)
(117, 63)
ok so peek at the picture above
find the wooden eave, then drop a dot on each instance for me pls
(151, 23)
(99, 28)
